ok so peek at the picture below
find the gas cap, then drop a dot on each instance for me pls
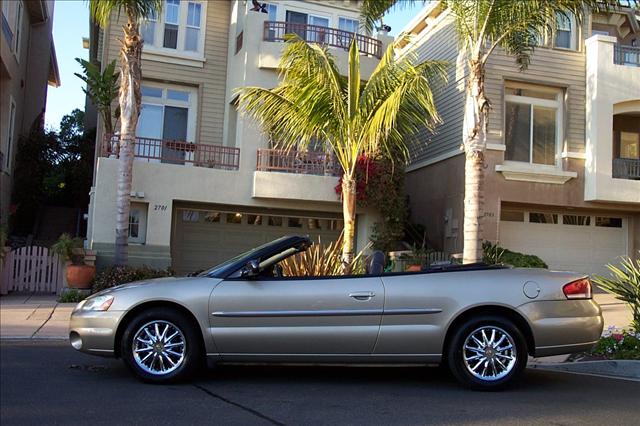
(531, 289)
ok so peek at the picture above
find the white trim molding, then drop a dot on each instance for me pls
(577, 155)
(174, 58)
(527, 173)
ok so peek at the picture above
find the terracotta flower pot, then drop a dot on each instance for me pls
(80, 276)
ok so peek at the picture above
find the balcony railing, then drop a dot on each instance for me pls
(626, 168)
(275, 31)
(178, 152)
(300, 162)
(626, 55)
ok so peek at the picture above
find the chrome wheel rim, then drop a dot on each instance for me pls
(489, 353)
(159, 347)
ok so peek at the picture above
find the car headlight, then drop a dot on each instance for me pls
(98, 303)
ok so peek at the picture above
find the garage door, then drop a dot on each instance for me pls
(203, 238)
(569, 241)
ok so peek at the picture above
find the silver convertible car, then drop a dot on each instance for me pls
(481, 321)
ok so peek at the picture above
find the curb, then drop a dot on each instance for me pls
(625, 369)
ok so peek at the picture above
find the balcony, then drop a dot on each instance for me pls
(177, 152)
(612, 112)
(626, 168)
(276, 31)
(295, 175)
(299, 162)
(626, 55)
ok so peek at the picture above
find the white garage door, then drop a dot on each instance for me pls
(569, 241)
(203, 238)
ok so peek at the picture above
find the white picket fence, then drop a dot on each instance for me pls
(32, 269)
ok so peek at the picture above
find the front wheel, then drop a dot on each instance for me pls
(487, 353)
(161, 346)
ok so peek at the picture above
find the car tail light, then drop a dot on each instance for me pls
(579, 289)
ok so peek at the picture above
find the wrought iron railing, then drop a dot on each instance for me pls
(626, 168)
(626, 55)
(276, 30)
(301, 162)
(178, 152)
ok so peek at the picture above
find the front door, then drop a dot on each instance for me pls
(290, 316)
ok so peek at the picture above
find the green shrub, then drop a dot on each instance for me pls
(116, 275)
(496, 255)
(71, 296)
(624, 283)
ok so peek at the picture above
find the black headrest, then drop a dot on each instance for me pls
(375, 263)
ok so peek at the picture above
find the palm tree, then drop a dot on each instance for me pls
(483, 25)
(129, 99)
(349, 116)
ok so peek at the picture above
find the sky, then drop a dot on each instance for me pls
(71, 23)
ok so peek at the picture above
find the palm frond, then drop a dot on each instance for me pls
(101, 10)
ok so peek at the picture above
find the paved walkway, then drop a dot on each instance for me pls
(34, 317)
(41, 317)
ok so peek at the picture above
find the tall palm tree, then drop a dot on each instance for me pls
(350, 116)
(129, 99)
(483, 25)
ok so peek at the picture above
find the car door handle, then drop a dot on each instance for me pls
(362, 295)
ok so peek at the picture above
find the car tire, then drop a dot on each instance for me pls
(161, 345)
(487, 353)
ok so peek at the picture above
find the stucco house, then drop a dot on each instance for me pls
(562, 177)
(207, 183)
(27, 66)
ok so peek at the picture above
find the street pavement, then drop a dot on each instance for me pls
(47, 382)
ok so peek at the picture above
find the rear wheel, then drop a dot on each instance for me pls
(487, 353)
(161, 346)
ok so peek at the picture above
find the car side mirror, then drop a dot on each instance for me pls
(251, 269)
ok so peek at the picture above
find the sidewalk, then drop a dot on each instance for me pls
(34, 317)
(41, 317)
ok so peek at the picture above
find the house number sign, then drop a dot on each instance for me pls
(160, 207)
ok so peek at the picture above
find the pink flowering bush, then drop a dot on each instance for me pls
(618, 344)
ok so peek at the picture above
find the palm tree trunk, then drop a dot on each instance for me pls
(130, 109)
(475, 140)
(349, 215)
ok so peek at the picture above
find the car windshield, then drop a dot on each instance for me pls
(246, 256)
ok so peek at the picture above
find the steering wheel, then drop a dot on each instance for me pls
(277, 271)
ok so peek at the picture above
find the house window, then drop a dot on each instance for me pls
(171, 24)
(191, 43)
(532, 124)
(512, 215)
(10, 131)
(629, 145)
(543, 218)
(274, 221)
(18, 28)
(272, 10)
(148, 29)
(574, 219)
(564, 36)
(235, 218)
(609, 222)
(168, 113)
(138, 223)
(179, 28)
(346, 24)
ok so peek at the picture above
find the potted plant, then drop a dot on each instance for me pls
(71, 249)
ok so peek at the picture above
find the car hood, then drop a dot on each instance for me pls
(166, 281)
